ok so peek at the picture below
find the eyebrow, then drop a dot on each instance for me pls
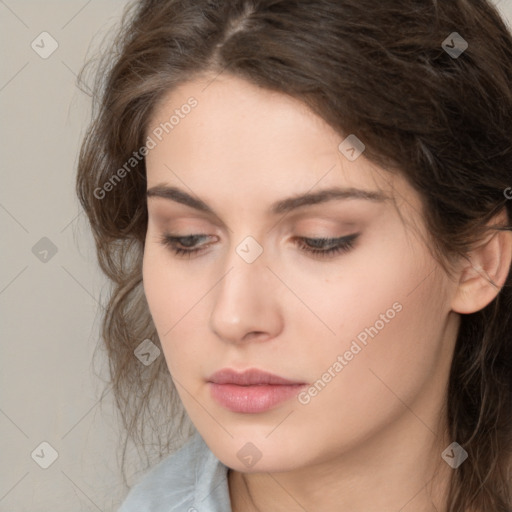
(279, 207)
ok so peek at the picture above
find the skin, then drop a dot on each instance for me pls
(371, 439)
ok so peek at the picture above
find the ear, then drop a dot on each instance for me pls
(485, 270)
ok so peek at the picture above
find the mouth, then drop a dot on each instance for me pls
(252, 391)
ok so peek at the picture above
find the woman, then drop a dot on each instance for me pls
(305, 211)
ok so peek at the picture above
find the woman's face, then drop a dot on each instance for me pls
(367, 329)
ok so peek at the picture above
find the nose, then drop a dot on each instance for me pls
(246, 303)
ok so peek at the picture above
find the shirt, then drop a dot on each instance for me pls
(191, 479)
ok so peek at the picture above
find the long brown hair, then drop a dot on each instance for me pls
(385, 71)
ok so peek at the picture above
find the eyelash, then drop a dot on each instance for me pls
(342, 245)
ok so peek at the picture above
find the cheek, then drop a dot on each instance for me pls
(364, 289)
(389, 318)
(385, 300)
(165, 293)
(176, 302)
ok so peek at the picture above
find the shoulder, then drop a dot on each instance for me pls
(190, 479)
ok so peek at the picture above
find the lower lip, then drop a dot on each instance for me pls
(252, 399)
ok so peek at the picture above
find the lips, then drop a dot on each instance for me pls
(251, 377)
(252, 391)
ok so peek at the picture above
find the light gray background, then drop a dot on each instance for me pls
(49, 389)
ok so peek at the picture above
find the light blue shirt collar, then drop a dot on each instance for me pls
(190, 480)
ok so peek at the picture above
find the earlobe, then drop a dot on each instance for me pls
(485, 269)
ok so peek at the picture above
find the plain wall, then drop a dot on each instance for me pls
(49, 302)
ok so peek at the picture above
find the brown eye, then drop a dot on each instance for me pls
(322, 247)
(326, 247)
(187, 244)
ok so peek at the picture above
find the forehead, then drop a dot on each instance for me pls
(234, 120)
(240, 137)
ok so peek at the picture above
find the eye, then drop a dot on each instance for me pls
(321, 247)
(327, 247)
(188, 241)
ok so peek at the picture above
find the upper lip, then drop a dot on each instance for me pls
(250, 377)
